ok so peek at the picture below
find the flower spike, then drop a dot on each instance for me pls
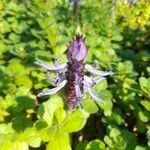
(72, 76)
(77, 51)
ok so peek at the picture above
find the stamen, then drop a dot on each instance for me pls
(77, 90)
(78, 95)
(54, 90)
(49, 78)
(97, 72)
(87, 88)
(98, 80)
(94, 96)
(59, 68)
(95, 66)
(91, 81)
(88, 80)
(59, 75)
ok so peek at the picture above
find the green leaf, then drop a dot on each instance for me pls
(12, 6)
(51, 132)
(138, 147)
(128, 66)
(15, 38)
(75, 121)
(117, 116)
(120, 139)
(116, 142)
(114, 133)
(90, 106)
(15, 68)
(146, 104)
(18, 145)
(141, 126)
(117, 37)
(95, 145)
(31, 137)
(2, 48)
(145, 85)
(143, 115)
(52, 35)
(59, 115)
(25, 102)
(148, 69)
(47, 109)
(43, 55)
(129, 138)
(81, 146)
(6, 128)
(40, 124)
(125, 69)
(21, 122)
(60, 49)
(23, 80)
(108, 141)
(106, 96)
(59, 142)
(7, 145)
(101, 86)
(6, 26)
(148, 136)
(128, 82)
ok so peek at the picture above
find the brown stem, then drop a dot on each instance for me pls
(76, 6)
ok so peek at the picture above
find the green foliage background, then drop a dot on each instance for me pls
(118, 33)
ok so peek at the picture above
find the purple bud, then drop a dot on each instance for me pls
(133, 1)
(77, 51)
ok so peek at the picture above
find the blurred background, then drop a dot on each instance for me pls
(118, 33)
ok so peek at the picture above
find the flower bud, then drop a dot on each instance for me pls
(77, 51)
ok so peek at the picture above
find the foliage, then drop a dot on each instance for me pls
(117, 33)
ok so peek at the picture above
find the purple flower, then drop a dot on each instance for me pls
(71, 75)
(133, 1)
